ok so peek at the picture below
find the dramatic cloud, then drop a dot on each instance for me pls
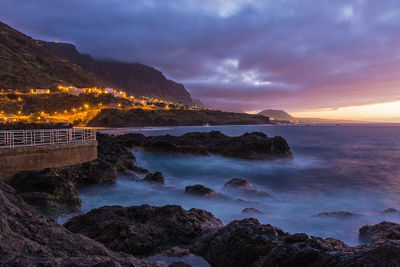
(238, 54)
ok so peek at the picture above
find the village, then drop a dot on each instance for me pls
(74, 105)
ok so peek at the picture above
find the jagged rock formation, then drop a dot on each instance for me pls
(383, 231)
(143, 230)
(254, 145)
(29, 239)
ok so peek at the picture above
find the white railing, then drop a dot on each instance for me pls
(45, 137)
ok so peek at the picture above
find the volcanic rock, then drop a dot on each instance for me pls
(251, 211)
(201, 191)
(94, 172)
(143, 230)
(29, 239)
(248, 146)
(243, 187)
(156, 177)
(248, 243)
(114, 152)
(380, 232)
(238, 183)
(51, 194)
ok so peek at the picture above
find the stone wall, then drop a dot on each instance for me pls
(15, 160)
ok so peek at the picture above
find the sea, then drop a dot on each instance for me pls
(351, 168)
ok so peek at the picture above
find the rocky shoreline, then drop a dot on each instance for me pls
(254, 146)
(156, 236)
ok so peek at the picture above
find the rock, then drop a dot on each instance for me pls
(338, 214)
(156, 177)
(238, 183)
(114, 152)
(201, 191)
(143, 230)
(379, 232)
(390, 211)
(179, 264)
(243, 187)
(94, 172)
(251, 211)
(248, 243)
(50, 194)
(240, 243)
(29, 239)
(248, 146)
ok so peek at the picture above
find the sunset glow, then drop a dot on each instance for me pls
(387, 112)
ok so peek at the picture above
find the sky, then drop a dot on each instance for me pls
(313, 58)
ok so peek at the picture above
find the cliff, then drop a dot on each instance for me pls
(26, 63)
(134, 78)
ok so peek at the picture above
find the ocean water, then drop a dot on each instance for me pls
(354, 168)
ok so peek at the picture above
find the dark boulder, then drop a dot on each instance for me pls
(243, 187)
(248, 243)
(143, 230)
(251, 211)
(238, 183)
(50, 194)
(114, 152)
(379, 232)
(94, 172)
(29, 239)
(201, 191)
(156, 177)
(240, 243)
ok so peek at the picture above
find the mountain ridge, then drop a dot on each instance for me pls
(28, 63)
(135, 78)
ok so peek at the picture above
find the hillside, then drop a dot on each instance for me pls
(135, 78)
(277, 114)
(26, 63)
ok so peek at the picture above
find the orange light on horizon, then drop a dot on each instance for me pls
(387, 111)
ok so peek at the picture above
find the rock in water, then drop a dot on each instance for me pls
(114, 152)
(144, 230)
(94, 172)
(240, 243)
(248, 243)
(29, 239)
(201, 191)
(251, 146)
(243, 187)
(251, 211)
(51, 194)
(156, 177)
(238, 183)
(383, 231)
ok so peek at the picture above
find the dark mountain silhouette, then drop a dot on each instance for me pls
(134, 78)
(26, 63)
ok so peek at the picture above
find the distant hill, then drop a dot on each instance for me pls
(26, 63)
(277, 115)
(134, 78)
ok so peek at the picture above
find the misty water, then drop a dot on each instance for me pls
(351, 168)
